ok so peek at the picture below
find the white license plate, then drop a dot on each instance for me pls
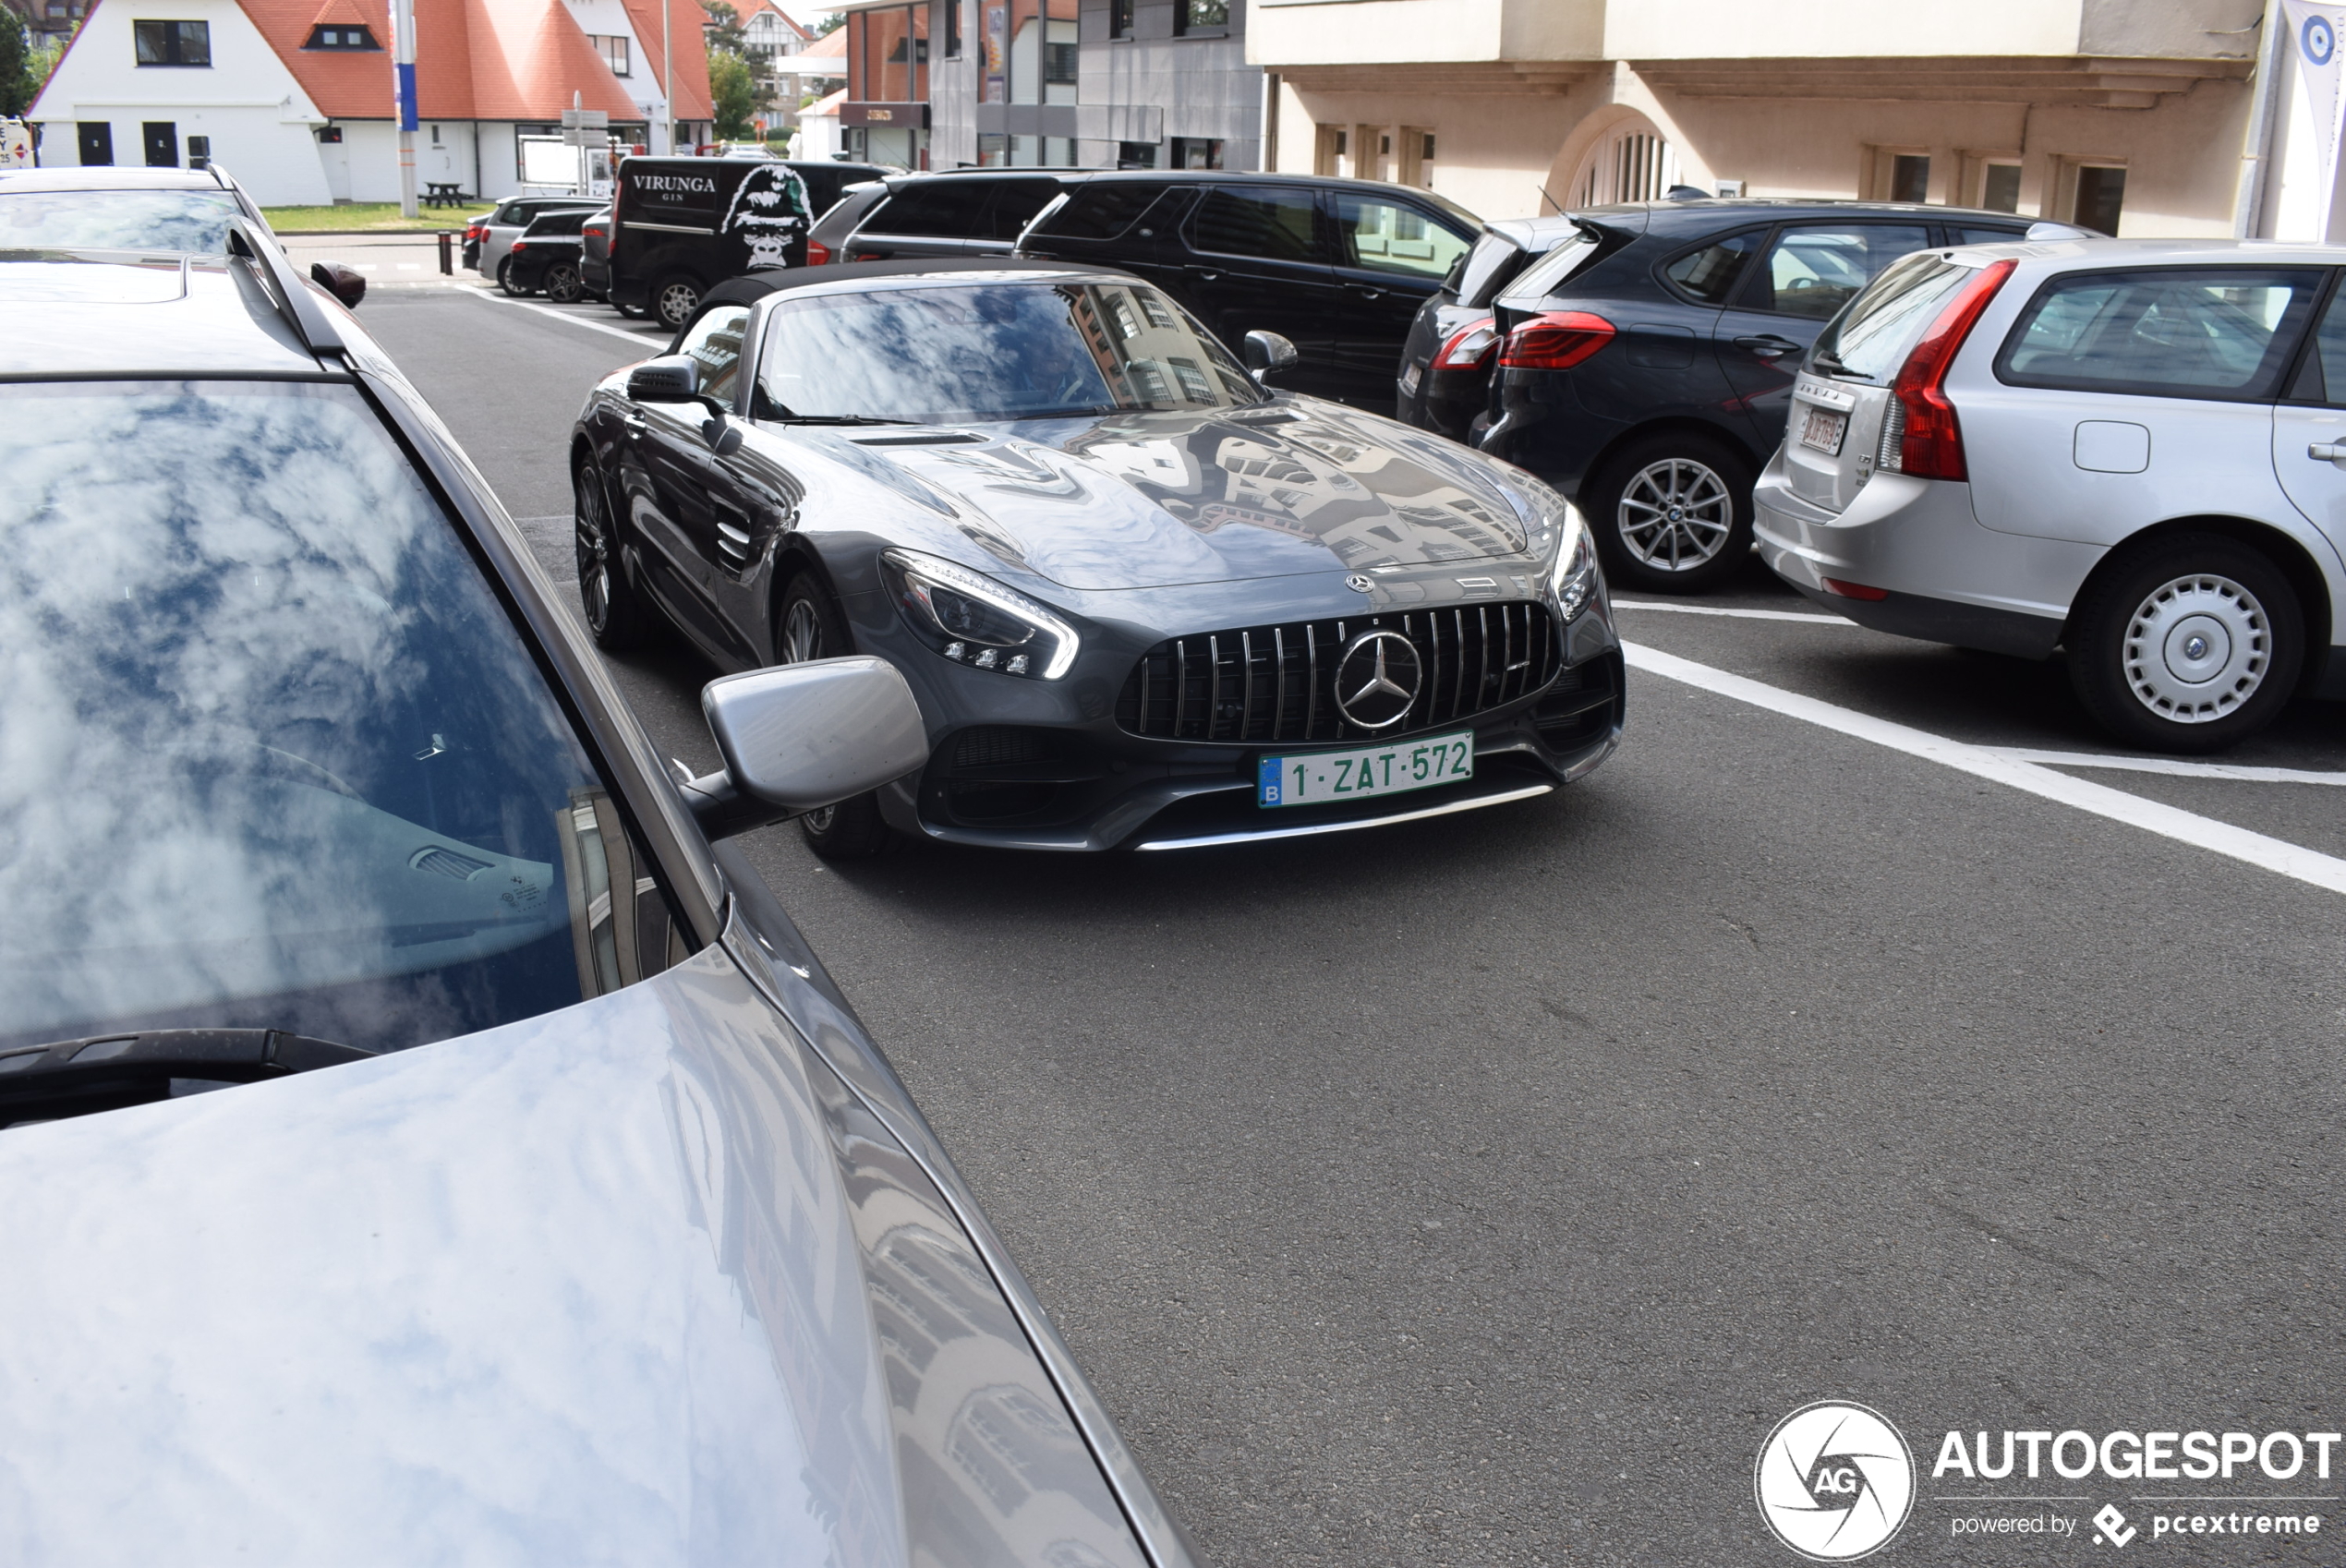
(1409, 380)
(1318, 778)
(1823, 429)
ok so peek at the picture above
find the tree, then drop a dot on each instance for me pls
(826, 25)
(733, 90)
(723, 29)
(20, 78)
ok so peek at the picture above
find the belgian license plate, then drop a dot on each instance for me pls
(1316, 778)
(1823, 429)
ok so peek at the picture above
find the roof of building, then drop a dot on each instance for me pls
(831, 46)
(745, 9)
(475, 59)
(823, 106)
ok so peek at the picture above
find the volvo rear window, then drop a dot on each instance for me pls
(277, 757)
(2217, 332)
(1869, 340)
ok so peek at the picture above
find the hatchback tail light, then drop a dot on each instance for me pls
(817, 253)
(1921, 436)
(518, 247)
(1469, 347)
(1554, 340)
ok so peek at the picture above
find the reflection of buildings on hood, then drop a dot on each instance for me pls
(768, 211)
(1274, 486)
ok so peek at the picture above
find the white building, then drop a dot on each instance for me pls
(294, 97)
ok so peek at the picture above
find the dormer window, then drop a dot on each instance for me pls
(342, 37)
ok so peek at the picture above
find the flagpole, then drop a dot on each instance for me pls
(402, 53)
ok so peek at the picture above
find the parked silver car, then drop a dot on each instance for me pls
(422, 1138)
(2135, 449)
(512, 218)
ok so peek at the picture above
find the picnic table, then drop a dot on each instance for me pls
(444, 194)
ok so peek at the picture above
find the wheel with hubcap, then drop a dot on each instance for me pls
(810, 626)
(617, 615)
(505, 277)
(674, 299)
(2190, 645)
(1672, 513)
(564, 285)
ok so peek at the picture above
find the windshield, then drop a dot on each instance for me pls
(1869, 341)
(272, 756)
(193, 221)
(993, 351)
(1543, 276)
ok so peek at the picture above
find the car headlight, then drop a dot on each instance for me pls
(973, 619)
(1574, 582)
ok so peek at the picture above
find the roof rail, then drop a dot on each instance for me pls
(300, 307)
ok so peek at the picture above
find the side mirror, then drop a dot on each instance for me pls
(800, 737)
(672, 378)
(1267, 353)
(339, 281)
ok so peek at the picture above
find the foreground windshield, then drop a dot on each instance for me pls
(193, 221)
(995, 351)
(271, 754)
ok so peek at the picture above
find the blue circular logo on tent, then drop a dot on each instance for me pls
(2319, 39)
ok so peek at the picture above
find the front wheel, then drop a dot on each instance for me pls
(2193, 646)
(674, 300)
(810, 627)
(616, 614)
(1672, 513)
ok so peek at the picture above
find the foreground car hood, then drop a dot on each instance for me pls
(1158, 500)
(633, 1282)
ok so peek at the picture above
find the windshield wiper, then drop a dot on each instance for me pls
(103, 1072)
(833, 419)
(1825, 359)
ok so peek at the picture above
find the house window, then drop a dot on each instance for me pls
(1058, 64)
(1204, 17)
(1999, 188)
(2100, 193)
(1136, 155)
(1909, 177)
(952, 30)
(1120, 19)
(173, 43)
(340, 37)
(614, 53)
(1196, 152)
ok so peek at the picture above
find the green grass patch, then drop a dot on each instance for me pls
(370, 216)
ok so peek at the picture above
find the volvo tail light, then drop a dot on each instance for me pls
(1554, 340)
(1469, 347)
(1921, 435)
(817, 253)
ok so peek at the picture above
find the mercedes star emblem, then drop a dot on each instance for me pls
(1359, 584)
(1376, 680)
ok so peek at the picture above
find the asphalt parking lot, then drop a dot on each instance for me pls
(1483, 1190)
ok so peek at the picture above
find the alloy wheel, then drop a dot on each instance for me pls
(1675, 515)
(592, 542)
(802, 640)
(562, 285)
(677, 302)
(2196, 648)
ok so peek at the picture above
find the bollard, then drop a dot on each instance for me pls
(447, 254)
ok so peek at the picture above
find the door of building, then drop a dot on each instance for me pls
(163, 144)
(97, 143)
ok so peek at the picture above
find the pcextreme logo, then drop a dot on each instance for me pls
(1834, 1481)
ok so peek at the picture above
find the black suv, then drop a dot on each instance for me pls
(1646, 369)
(1339, 267)
(955, 213)
(547, 256)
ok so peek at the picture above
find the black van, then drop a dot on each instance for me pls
(681, 225)
(1339, 267)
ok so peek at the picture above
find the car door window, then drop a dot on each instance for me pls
(2323, 380)
(1015, 204)
(1709, 273)
(1984, 237)
(1264, 223)
(1812, 270)
(1392, 237)
(714, 343)
(2217, 333)
(948, 208)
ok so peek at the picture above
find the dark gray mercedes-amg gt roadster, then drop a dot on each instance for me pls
(1145, 600)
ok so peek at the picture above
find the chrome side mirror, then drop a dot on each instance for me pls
(1267, 353)
(675, 378)
(799, 737)
(340, 282)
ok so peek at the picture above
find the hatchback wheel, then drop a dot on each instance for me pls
(616, 614)
(810, 627)
(505, 277)
(2191, 647)
(562, 285)
(1673, 513)
(676, 300)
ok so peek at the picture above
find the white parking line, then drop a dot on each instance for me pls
(2174, 769)
(647, 344)
(1733, 614)
(2185, 828)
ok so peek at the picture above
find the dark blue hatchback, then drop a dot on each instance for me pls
(1648, 372)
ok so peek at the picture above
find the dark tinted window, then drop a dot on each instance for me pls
(555, 224)
(996, 351)
(1258, 221)
(1814, 269)
(1973, 236)
(2210, 332)
(257, 679)
(1015, 204)
(1102, 210)
(1710, 274)
(946, 209)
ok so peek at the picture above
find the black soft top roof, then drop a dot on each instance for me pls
(751, 287)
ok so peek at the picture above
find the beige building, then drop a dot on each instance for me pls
(2124, 114)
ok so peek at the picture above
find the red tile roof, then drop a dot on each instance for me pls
(692, 56)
